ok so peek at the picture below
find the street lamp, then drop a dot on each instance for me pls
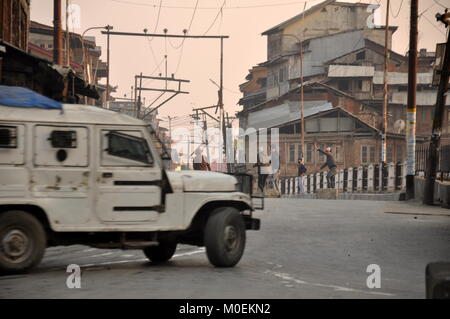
(302, 106)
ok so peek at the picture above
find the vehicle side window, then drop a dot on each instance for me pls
(128, 147)
(12, 144)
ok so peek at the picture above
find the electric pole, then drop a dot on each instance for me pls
(57, 35)
(68, 36)
(411, 107)
(438, 118)
(385, 87)
(108, 28)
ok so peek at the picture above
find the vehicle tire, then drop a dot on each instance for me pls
(22, 242)
(225, 237)
(161, 253)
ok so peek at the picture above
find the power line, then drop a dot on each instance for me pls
(188, 29)
(438, 3)
(215, 8)
(182, 42)
(159, 14)
(427, 9)
(398, 12)
(426, 18)
(217, 15)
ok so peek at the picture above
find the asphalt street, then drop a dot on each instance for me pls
(305, 249)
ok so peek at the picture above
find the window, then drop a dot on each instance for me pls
(364, 157)
(361, 55)
(368, 154)
(291, 152)
(343, 85)
(309, 153)
(338, 153)
(282, 75)
(372, 154)
(389, 154)
(8, 137)
(130, 147)
(321, 156)
(399, 153)
(63, 139)
(359, 85)
(424, 113)
(299, 152)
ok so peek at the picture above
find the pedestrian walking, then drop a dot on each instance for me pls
(331, 166)
(264, 169)
(301, 175)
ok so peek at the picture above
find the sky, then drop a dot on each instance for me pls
(198, 60)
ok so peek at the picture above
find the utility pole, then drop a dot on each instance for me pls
(68, 36)
(205, 129)
(411, 107)
(302, 101)
(438, 118)
(385, 87)
(57, 35)
(108, 28)
(139, 99)
(385, 101)
(135, 96)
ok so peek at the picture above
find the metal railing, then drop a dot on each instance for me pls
(443, 164)
(363, 179)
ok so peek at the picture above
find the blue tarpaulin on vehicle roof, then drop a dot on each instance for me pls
(23, 97)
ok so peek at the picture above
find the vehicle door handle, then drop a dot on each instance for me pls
(107, 175)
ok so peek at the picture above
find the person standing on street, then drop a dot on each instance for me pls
(264, 169)
(301, 174)
(331, 166)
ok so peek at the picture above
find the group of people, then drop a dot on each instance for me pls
(270, 167)
(301, 170)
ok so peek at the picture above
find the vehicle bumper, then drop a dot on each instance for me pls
(252, 223)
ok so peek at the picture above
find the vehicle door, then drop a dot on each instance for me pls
(128, 176)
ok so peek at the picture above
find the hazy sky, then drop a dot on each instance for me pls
(199, 63)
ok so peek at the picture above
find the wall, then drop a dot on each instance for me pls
(14, 22)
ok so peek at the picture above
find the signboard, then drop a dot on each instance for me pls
(437, 67)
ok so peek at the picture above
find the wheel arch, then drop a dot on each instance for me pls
(33, 210)
(194, 233)
(207, 209)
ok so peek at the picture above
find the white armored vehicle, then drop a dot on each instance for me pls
(85, 175)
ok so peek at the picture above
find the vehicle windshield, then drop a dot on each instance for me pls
(164, 153)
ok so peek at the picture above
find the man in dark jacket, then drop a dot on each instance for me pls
(331, 166)
(301, 174)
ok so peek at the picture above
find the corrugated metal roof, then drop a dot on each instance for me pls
(285, 113)
(298, 16)
(401, 78)
(422, 98)
(342, 71)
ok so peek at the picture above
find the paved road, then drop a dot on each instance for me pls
(305, 249)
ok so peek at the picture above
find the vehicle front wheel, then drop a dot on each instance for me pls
(22, 242)
(225, 237)
(161, 253)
